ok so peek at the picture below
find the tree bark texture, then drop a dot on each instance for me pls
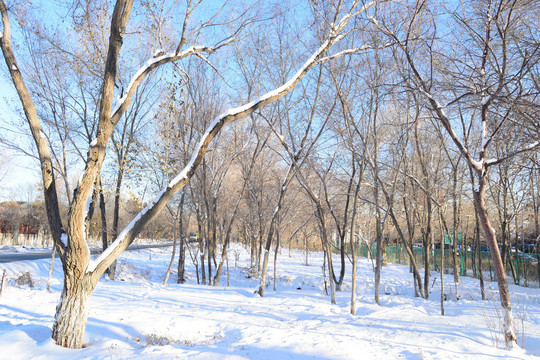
(504, 294)
(72, 312)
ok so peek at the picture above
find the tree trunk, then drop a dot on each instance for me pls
(259, 251)
(443, 230)
(354, 247)
(116, 217)
(339, 281)
(203, 271)
(209, 258)
(427, 248)
(181, 260)
(479, 255)
(266, 250)
(253, 253)
(328, 252)
(102, 209)
(169, 268)
(378, 266)
(455, 220)
(225, 247)
(72, 311)
(182, 249)
(307, 250)
(51, 268)
(331, 274)
(480, 205)
(273, 224)
(379, 242)
(275, 260)
(410, 252)
(442, 276)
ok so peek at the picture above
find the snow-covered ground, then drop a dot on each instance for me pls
(137, 317)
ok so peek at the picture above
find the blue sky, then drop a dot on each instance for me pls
(21, 172)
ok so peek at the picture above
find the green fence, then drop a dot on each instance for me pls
(523, 269)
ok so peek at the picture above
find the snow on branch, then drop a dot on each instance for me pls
(122, 236)
(353, 51)
(151, 64)
(341, 24)
(176, 184)
(244, 110)
(159, 58)
(531, 146)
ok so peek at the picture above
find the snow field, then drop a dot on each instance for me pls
(135, 317)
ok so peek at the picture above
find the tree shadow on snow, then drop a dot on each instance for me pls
(110, 330)
(38, 333)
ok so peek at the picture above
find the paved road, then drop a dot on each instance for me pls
(9, 257)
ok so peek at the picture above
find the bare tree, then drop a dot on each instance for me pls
(81, 273)
(485, 73)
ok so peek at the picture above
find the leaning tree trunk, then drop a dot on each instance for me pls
(508, 320)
